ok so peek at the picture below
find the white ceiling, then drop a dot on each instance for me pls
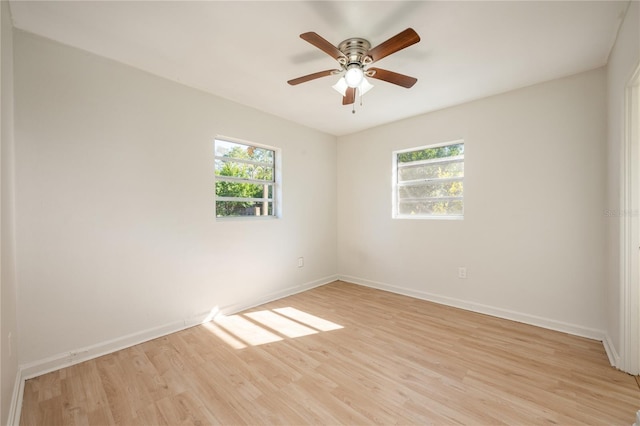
(246, 51)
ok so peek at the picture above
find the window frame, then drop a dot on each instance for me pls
(395, 212)
(275, 183)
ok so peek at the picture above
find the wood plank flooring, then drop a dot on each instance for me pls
(343, 354)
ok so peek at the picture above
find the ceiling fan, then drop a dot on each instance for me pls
(353, 56)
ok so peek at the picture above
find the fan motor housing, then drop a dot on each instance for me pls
(355, 50)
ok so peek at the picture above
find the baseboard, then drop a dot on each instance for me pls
(76, 356)
(610, 349)
(482, 309)
(231, 309)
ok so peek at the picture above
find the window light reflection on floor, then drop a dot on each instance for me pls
(311, 320)
(266, 326)
(246, 330)
(281, 324)
(223, 335)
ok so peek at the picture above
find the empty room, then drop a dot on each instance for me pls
(330, 212)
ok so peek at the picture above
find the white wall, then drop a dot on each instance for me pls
(533, 233)
(115, 215)
(8, 321)
(623, 61)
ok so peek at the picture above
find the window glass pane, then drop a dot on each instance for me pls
(245, 152)
(429, 153)
(242, 208)
(431, 208)
(244, 170)
(243, 190)
(431, 171)
(262, 172)
(431, 190)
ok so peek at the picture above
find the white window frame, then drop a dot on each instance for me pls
(395, 185)
(276, 182)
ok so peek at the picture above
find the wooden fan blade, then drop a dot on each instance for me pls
(392, 77)
(313, 76)
(349, 97)
(322, 44)
(398, 42)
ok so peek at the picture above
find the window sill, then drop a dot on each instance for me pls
(417, 217)
(245, 218)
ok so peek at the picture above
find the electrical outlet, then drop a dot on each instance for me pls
(462, 272)
(300, 262)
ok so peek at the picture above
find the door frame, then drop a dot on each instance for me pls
(630, 231)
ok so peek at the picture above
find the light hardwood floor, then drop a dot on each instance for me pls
(343, 354)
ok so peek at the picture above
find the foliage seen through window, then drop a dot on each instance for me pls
(429, 181)
(245, 179)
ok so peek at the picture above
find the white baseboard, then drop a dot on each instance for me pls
(614, 357)
(237, 307)
(37, 368)
(482, 309)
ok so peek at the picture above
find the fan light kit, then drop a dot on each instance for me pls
(353, 55)
(354, 75)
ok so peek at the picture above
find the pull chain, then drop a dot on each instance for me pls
(353, 110)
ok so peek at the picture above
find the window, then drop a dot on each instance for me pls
(428, 182)
(245, 179)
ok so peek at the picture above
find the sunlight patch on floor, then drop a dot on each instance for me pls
(311, 320)
(223, 335)
(267, 326)
(246, 330)
(281, 324)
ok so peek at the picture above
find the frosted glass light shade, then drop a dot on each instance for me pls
(365, 86)
(341, 86)
(354, 76)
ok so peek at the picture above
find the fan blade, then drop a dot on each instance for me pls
(313, 76)
(322, 44)
(349, 97)
(398, 42)
(392, 77)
